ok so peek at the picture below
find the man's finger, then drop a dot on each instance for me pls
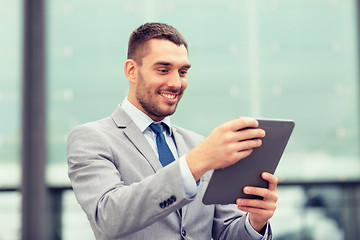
(262, 192)
(243, 122)
(273, 181)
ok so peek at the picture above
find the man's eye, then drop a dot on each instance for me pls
(183, 72)
(162, 70)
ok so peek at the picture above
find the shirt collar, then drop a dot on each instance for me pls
(141, 120)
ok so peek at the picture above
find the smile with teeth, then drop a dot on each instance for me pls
(168, 95)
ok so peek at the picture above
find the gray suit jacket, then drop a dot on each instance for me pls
(127, 194)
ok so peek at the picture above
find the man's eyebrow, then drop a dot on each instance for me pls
(170, 64)
(162, 63)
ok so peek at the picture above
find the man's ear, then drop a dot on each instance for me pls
(130, 68)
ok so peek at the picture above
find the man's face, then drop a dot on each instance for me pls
(161, 79)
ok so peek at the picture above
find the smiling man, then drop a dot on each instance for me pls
(137, 176)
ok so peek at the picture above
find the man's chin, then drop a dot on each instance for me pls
(160, 111)
(166, 113)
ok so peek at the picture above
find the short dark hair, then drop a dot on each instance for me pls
(148, 31)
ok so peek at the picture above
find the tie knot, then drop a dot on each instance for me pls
(157, 128)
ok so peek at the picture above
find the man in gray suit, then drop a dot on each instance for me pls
(114, 167)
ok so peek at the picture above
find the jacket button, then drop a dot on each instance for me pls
(183, 233)
(162, 205)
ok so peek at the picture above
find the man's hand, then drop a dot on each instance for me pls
(226, 145)
(260, 210)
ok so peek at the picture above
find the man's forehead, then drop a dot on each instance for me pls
(164, 46)
(165, 52)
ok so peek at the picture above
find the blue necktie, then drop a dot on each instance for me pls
(165, 155)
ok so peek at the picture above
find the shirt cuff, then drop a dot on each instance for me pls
(187, 177)
(252, 232)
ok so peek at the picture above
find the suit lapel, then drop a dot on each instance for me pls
(133, 133)
(180, 143)
(182, 150)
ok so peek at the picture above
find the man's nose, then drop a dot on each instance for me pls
(174, 81)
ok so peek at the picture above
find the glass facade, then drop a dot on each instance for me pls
(10, 91)
(271, 59)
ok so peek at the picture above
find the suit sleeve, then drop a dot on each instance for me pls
(229, 223)
(114, 208)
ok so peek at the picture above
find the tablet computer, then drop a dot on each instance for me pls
(226, 185)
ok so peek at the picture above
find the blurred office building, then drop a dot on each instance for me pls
(61, 65)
